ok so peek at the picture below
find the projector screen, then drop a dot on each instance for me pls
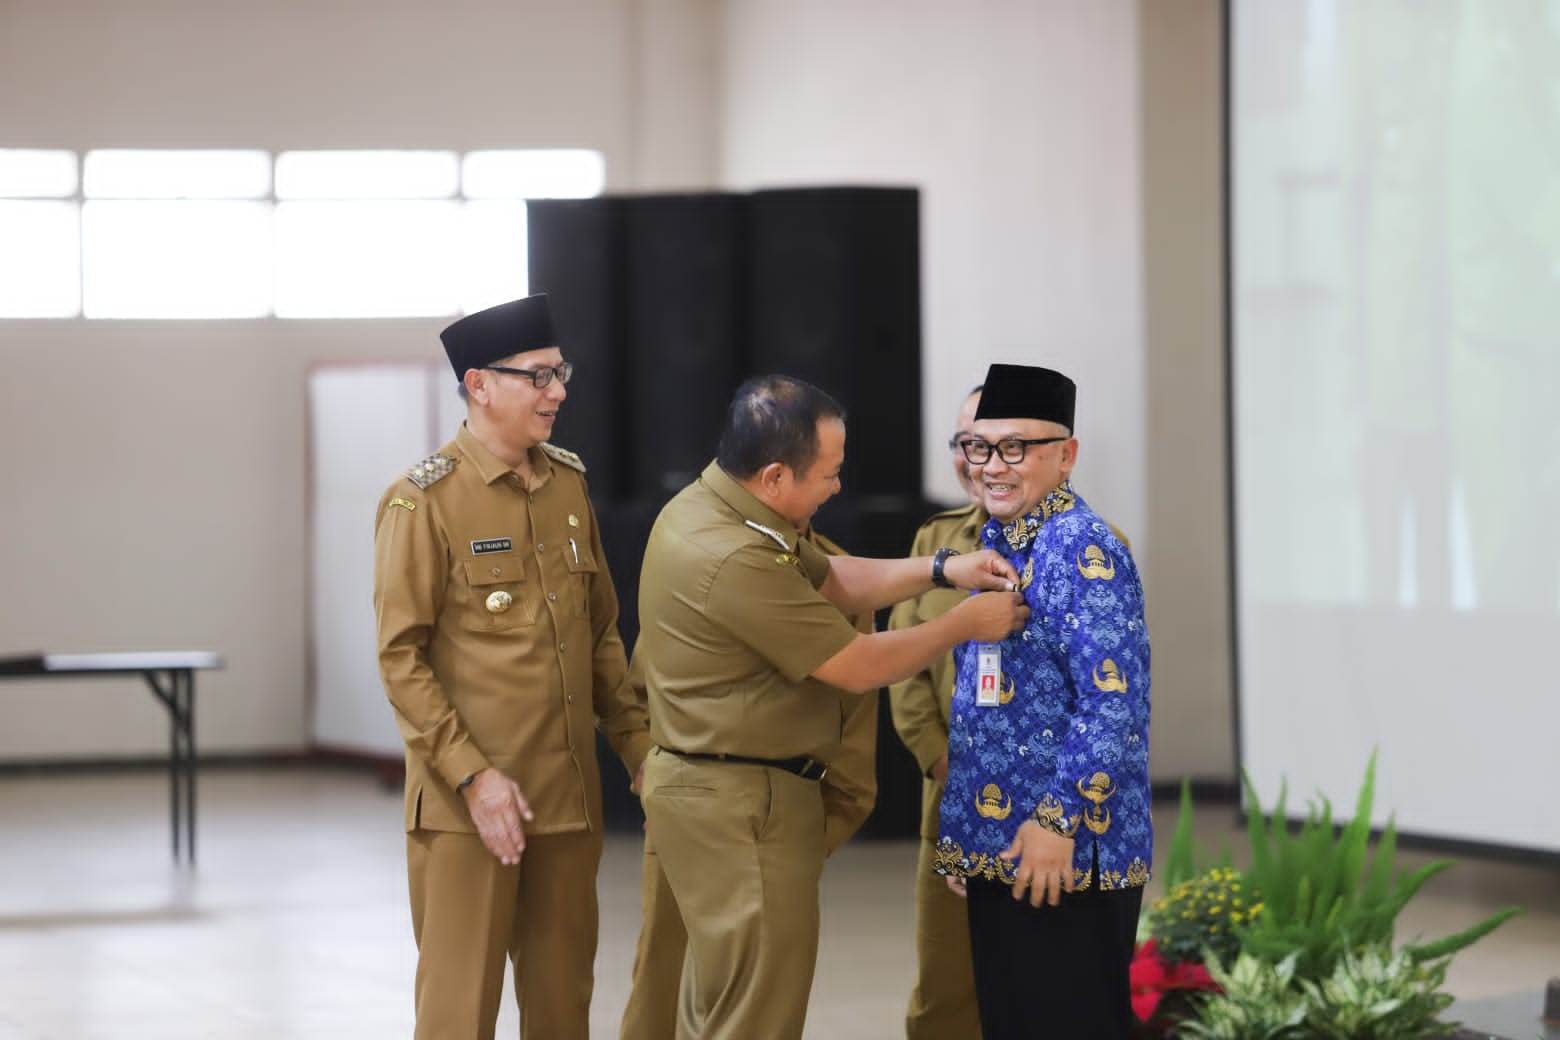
(1395, 365)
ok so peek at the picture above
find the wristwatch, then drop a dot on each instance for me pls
(939, 560)
(461, 787)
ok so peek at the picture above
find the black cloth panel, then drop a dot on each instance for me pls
(576, 257)
(687, 297)
(835, 275)
(665, 303)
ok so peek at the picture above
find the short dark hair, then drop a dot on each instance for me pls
(774, 418)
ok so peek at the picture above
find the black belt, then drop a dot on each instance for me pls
(806, 768)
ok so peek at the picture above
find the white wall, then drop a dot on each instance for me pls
(1068, 157)
(1020, 128)
(156, 469)
(159, 501)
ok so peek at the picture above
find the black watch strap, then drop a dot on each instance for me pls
(939, 560)
(465, 783)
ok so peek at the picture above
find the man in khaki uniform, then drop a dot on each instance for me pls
(849, 790)
(745, 629)
(942, 1004)
(499, 650)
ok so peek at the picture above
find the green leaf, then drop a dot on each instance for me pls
(1460, 940)
(1257, 832)
(1379, 881)
(1181, 864)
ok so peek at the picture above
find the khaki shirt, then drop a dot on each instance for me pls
(921, 704)
(850, 787)
(733, 625)
(520, 687)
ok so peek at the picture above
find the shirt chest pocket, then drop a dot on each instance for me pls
(583, 571)
(500, 595)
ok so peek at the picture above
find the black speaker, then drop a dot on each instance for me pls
(687, 302)
(881, 526)
(667, 302)
(835, 290)
(576, 257)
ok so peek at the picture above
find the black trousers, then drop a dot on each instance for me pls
(1053, 972)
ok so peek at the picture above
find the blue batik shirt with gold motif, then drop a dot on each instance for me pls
(1067, 744)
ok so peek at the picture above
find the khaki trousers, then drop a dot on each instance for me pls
(470, 912)
(942, 1004)
(742, 850)
(651, 1013)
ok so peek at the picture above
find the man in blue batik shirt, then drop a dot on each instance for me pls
(1048, 794)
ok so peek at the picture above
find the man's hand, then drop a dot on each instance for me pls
(984, 570)
(939, 770)
(1045, 863)
(497, 808)
(958, 886)
(993, 616)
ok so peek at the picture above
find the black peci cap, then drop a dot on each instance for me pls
(479, 339)
(1027, 392)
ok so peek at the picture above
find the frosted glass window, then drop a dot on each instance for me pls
(367, 175)
(40, 259)
(176, 259)
(36, 173)
(367, 259)
(121, 173)
(492, 251)
(564, 173)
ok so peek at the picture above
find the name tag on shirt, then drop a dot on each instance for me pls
(988, 676)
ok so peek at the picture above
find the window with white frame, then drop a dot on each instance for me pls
(121, 233)
(40, 234)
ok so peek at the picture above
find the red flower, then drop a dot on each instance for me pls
(1153, 977)
(1148, 974)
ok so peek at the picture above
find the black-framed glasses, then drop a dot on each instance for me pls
(1010, 449)
(539, 376)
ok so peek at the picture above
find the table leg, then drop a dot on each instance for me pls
(178, 696)
(189, 761)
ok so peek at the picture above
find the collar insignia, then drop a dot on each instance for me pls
(563, 455)
(431, 470)
(771, 532)
(1021, 532)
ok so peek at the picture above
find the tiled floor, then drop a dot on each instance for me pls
(295, 923)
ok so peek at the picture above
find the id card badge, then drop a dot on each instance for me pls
(988, 682)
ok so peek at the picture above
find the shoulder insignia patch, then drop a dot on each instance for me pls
(431, 470)
(563, 455)
(405, 504)
(949, 514)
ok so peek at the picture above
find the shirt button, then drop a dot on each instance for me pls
(569, 697)
(552, 596)
(563, 646)
(496, 572)
(540, 546)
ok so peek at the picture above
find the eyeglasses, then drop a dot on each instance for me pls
(1011, 449)
(540, 376)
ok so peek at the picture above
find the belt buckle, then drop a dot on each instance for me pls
(808, 767)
